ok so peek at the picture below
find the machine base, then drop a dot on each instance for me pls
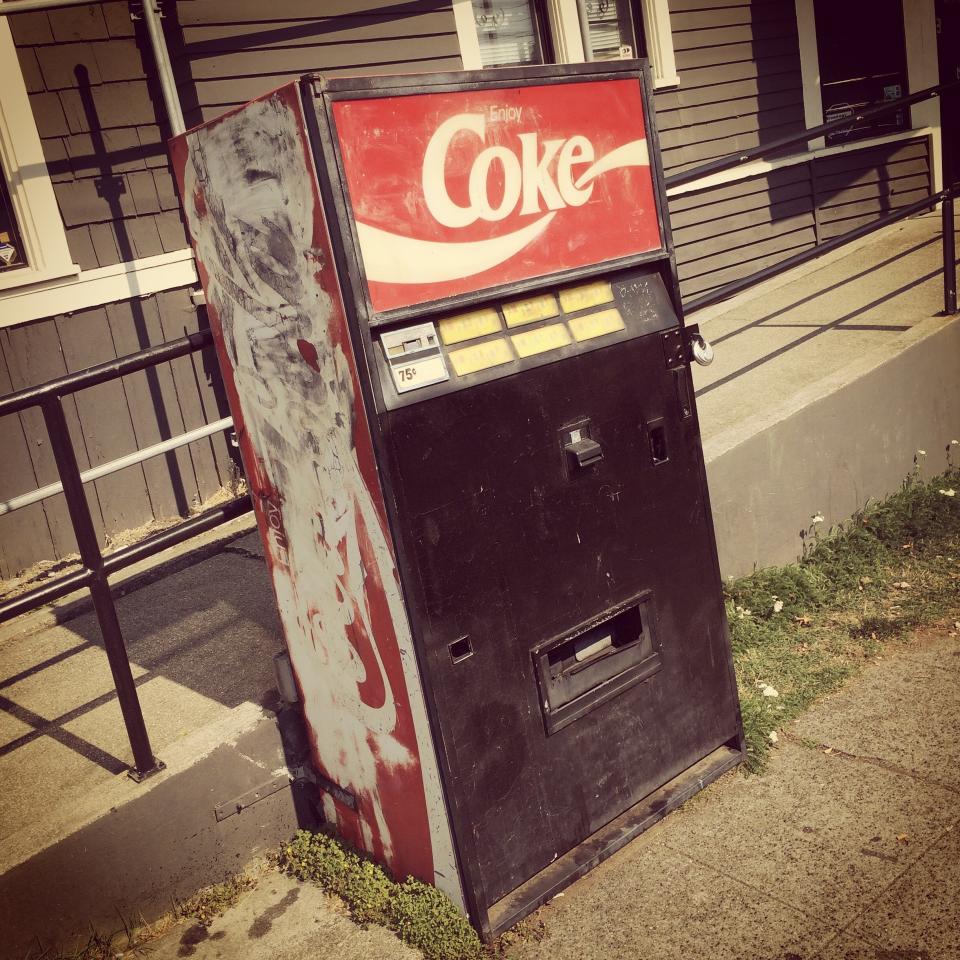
(607, 840)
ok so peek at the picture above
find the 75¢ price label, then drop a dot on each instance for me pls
(414, 357)
(418, 373)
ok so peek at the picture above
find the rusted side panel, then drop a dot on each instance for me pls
(264, 255)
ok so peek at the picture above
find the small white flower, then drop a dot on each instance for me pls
(769, 691)
(777, 606)
(949, 492)
(773, 736)
(921, 453)
(816, 518)
(954, 443)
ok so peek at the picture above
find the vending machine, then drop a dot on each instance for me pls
(447, 315)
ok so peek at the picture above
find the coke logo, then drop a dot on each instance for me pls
(460, 190)
(553, 178)
(529, 177)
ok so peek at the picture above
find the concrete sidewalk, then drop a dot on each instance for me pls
(847, 848)
(827, 381)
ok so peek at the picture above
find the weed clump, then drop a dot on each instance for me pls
(417, 912)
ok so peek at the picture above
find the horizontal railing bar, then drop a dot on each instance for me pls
(101, 373)
(734, 287)
(734, 160)
(40, 596)
(120, 559)
(114, 466)
(202, 522)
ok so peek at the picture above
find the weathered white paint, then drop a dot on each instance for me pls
(251, 205)
(810, 69)
(923, 70)
(31, 192)
(93, 288)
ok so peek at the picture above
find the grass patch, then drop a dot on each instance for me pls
(799, 631)
(418, 913)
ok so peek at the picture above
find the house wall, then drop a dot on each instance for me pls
(101, 125)
(100, 120)
(741, 86)
(227, 52)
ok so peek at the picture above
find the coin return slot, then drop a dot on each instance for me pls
(579, 672)
(460, 649)
(658, 444)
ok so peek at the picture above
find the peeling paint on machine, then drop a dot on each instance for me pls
(264, 254)
(459, 375)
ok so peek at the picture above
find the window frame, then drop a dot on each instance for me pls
(920, 39)
(31, 191)
(566, 40)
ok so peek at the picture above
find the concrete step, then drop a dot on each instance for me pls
(81, 843)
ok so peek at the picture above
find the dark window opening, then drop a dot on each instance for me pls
(11, 242)
(862, 63)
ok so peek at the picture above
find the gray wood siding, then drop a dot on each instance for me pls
(727, 232)
(227, 53)
(108, 421)
(740, 86)
(852, 189)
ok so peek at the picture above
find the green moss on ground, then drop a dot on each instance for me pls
(418, 913)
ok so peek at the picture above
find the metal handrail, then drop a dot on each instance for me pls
(97, 567)
(945, 197)
(810, 133)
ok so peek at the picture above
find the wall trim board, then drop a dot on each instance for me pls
(94, 288)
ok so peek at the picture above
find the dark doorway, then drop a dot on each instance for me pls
(948, 49)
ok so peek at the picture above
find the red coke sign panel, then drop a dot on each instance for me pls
(459, 191)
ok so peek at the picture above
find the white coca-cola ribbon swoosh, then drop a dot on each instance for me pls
(392, 258)
(632, 154)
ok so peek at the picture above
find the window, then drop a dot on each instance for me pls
(497, 33)
(510, 32)
(613, 33)
(862, 57)
(33, 245)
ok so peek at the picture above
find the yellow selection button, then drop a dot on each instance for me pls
(596, 324)
(481, 356)
(589, 295)
(468, 326)
(541, 340)
(530, 310)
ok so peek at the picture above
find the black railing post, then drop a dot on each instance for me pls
(949, 257)
(144, 762)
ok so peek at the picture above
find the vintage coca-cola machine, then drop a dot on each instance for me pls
(447, 314)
